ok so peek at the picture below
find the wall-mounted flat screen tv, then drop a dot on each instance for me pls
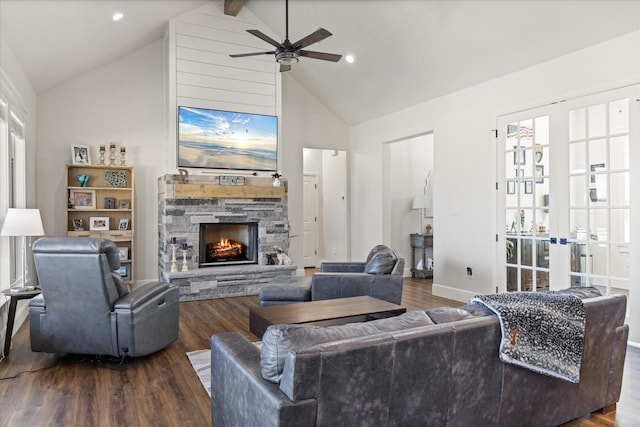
(216, 139)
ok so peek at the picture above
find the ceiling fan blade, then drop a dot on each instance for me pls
(284, 68)
(264, 37)
(240, 55)
(315, 37)
(321, 55)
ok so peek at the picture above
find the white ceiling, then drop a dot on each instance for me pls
(407, 51)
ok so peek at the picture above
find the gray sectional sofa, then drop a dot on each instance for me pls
(410, 371)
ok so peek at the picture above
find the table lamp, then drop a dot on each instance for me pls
(23, 223)
(421, 202)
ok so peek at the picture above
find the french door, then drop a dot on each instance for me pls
(565, 194)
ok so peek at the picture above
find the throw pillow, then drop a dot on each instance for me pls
(381, 262)
(279, 339)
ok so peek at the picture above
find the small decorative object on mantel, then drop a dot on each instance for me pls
(231, 180)
(429, 228)
(276, 180)
(112, 157)
(123, 152)
(115, 178)
(184, 174)
(103, 149)
(185, 249)
(174, 261)
(83, 180)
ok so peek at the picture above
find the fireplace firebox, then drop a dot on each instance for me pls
(228, 244)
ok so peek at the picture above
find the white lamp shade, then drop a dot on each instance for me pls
(22, 222)
(420, 202)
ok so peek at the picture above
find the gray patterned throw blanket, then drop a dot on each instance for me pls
(541, 331)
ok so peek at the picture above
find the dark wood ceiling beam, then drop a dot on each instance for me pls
(232, 7)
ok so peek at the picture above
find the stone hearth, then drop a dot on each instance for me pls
(182, 207)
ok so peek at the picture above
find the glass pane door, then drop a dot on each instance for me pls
(599, 195)
(526, 209)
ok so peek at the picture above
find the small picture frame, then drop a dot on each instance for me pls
(539, 174)
(511, 187)
(99, 223)
(80, 155)
(123, 252)
(123, 224)
(124, 271)
(528, 187)
(124, 204)
(78, 224)
(83, 199)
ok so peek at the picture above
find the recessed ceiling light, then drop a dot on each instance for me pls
(117, 16)
(349, 58)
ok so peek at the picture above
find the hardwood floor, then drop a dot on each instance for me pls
(163, 390)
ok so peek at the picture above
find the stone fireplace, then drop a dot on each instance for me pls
(228, 231)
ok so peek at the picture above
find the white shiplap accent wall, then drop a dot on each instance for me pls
(201, 73)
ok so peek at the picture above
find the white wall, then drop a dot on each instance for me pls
(124, 102)
(306, 123)
(464, 155)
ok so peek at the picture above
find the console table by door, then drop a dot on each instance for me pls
(14, 296)
(421, 255)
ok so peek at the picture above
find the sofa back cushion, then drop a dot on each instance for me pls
(381, 260)
(279, 339)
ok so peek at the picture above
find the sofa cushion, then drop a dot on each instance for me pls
(279, 339)
(448, 314)
(381, 261)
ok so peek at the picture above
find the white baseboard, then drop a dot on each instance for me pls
(452, 293)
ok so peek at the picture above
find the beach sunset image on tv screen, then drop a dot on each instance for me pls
(217, 139)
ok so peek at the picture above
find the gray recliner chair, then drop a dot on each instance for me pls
(84, 307)
(380, 276)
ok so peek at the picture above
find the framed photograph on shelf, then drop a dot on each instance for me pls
(125, 271)
(83, 199)
(511, 187)
(124, 204)
(123, 252)
(80, 155)
(99, 223)
(78, 224)
(124, 224)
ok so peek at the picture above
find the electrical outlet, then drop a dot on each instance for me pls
(469, 272)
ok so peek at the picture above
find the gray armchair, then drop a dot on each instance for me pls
(380, 276)
(84, 307)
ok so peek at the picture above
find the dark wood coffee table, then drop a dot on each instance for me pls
(322, 313)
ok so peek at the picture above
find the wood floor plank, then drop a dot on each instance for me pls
(163, 390)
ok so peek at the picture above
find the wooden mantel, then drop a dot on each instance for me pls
(208, 187)
(226, 191)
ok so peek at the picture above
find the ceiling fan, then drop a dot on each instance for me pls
(288, 53)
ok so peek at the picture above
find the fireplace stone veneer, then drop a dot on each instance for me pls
(183, 207)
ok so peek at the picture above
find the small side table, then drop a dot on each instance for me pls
(13, 303)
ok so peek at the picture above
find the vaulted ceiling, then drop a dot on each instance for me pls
(406, 51)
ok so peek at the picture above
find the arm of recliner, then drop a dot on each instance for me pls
(141, 295)
(239, 394)
(344, 267)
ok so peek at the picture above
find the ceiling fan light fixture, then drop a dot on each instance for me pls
(287, 58)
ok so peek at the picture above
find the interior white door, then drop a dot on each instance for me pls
(310, 227)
